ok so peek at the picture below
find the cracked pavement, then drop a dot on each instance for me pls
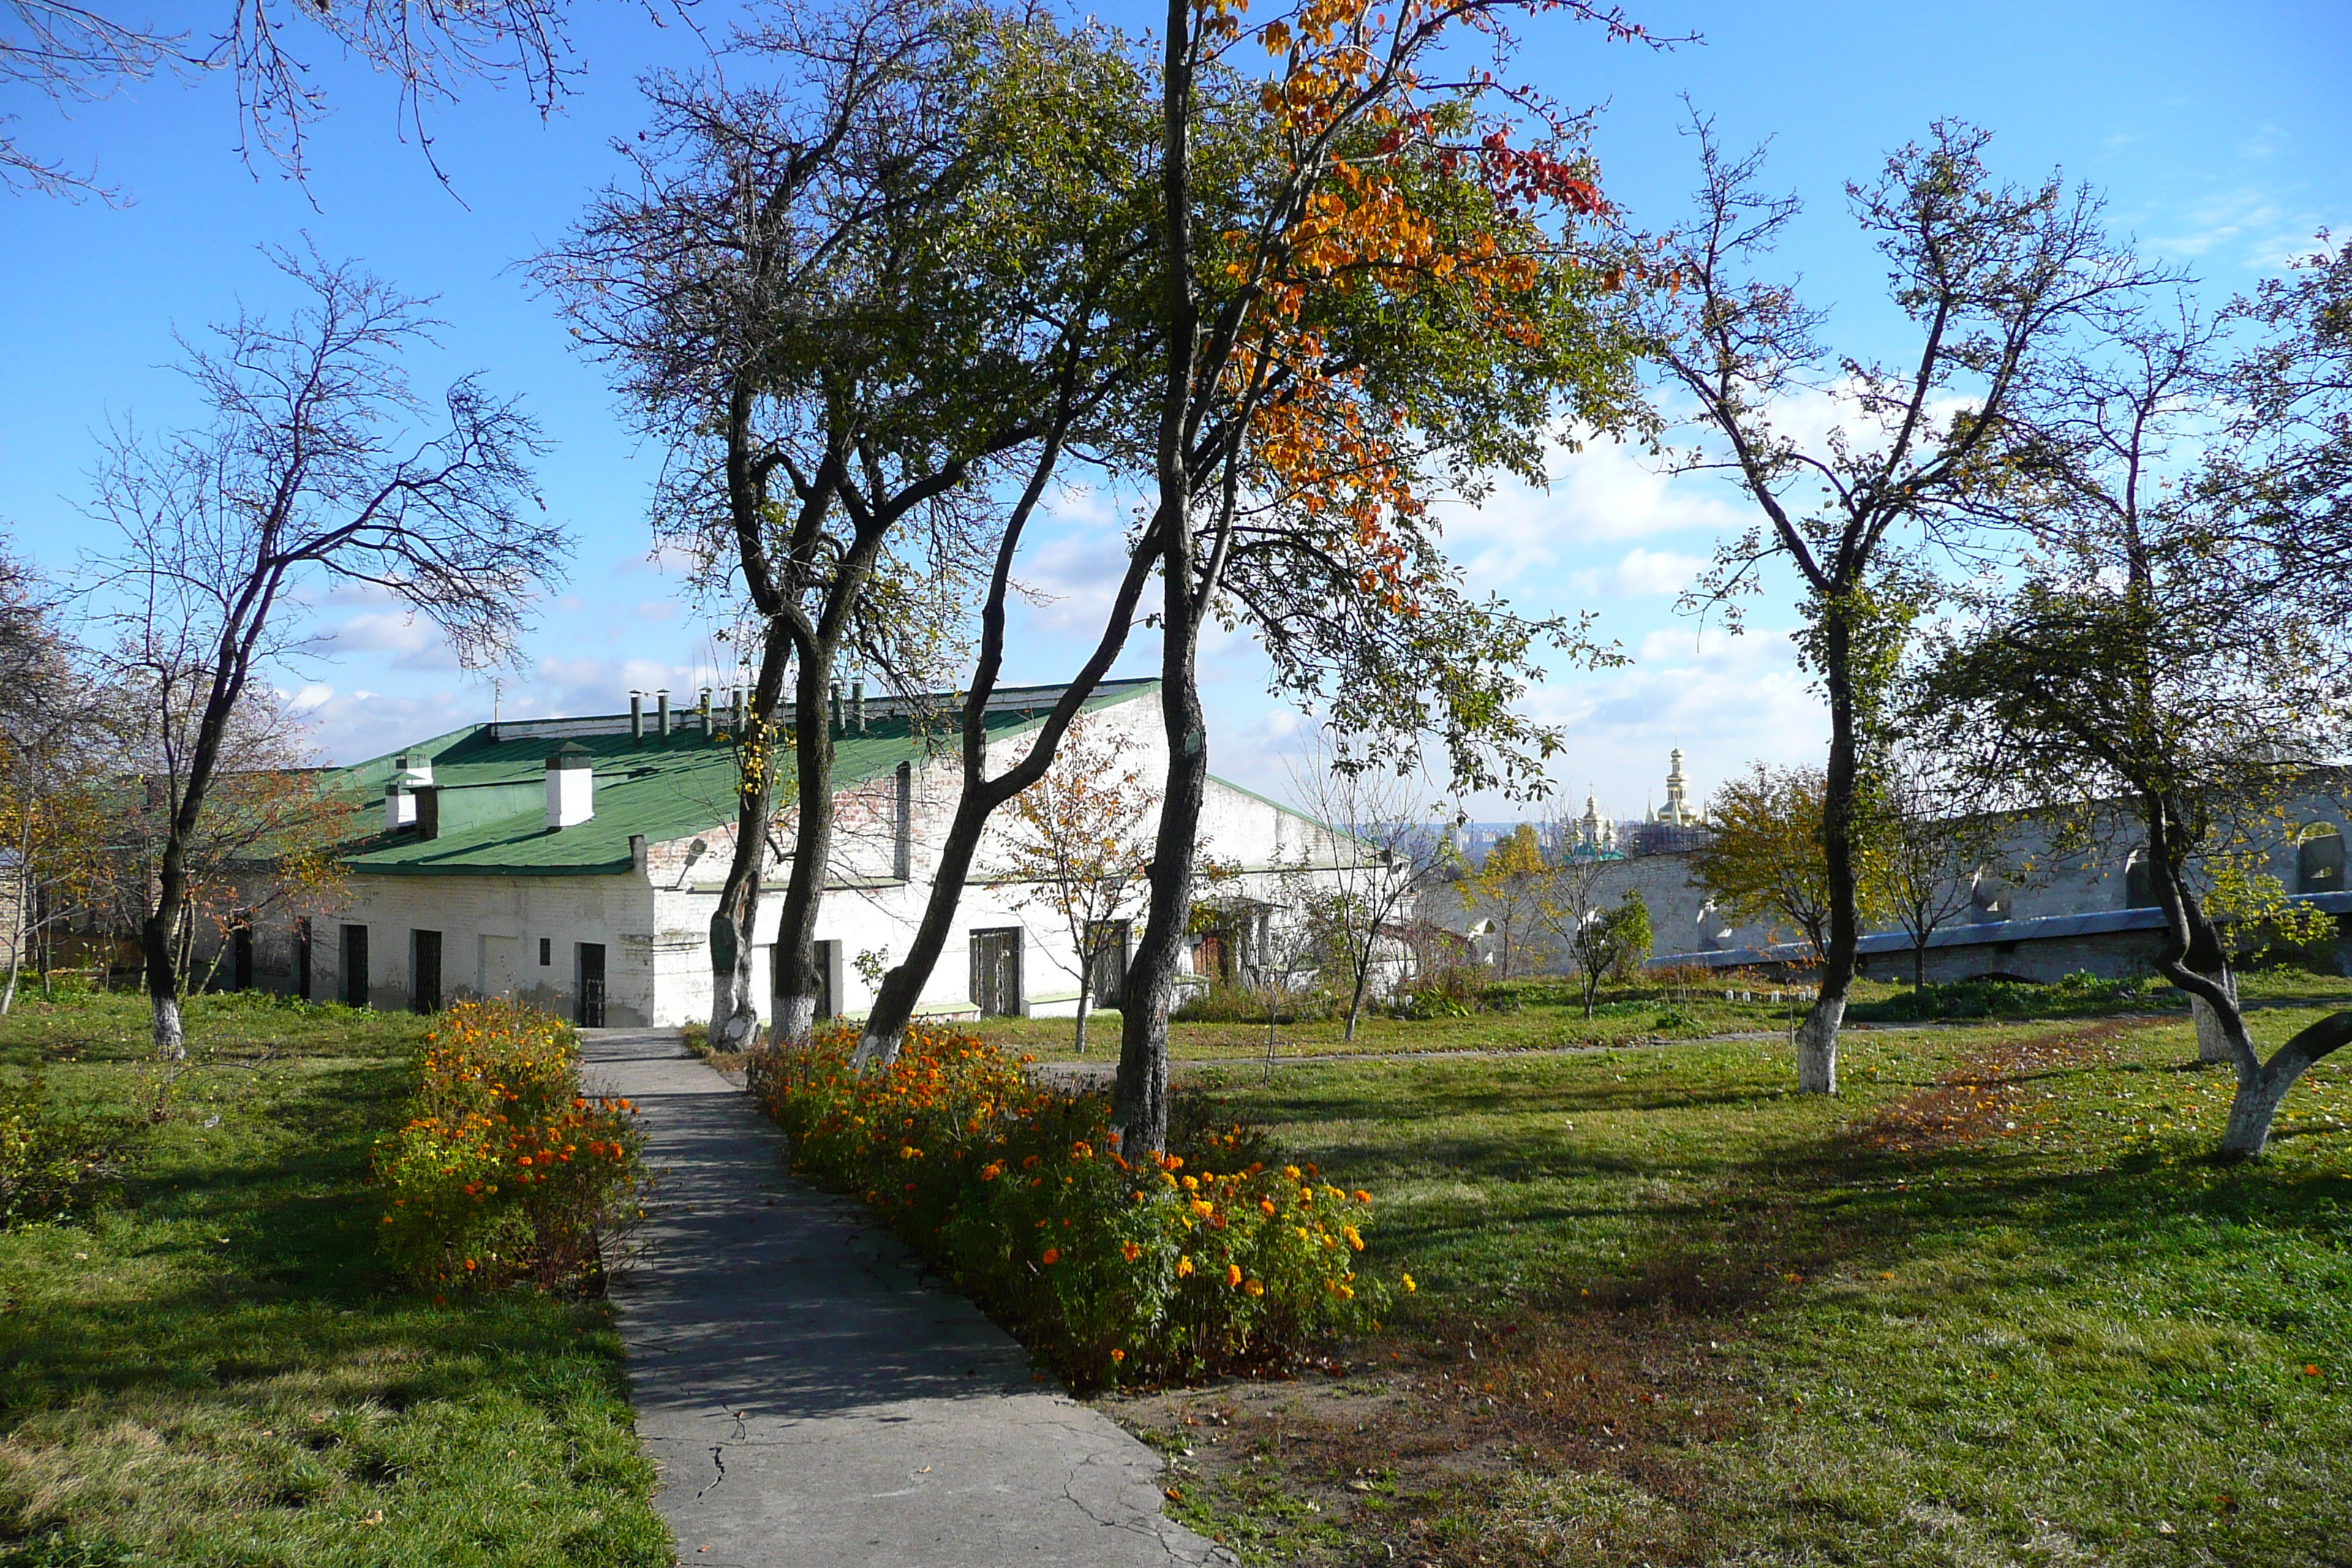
(812, 1399)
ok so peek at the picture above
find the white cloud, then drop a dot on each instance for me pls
(1645, 572)
(657, 610)
(1603, 494)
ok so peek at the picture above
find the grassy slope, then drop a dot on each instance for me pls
(2013, 1318)
(216, 1369)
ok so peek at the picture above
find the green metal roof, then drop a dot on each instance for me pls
(491, 792)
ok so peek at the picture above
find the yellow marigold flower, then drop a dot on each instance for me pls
(1254, 1288)
(1354, 1240)
(1291, 1171)
(1183, 1264)
(1409, 1285)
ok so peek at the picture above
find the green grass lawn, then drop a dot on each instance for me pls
(1990, 1306)
(215, 1368)
(1549, 1020)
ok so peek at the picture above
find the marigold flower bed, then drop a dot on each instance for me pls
(505, 1170)
(1160, 1268)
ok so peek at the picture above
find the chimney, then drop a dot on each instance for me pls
(837, 708)
(636, 717)
(857, 705)
(902, 850)
(638, 858)
(702, 712)
(428, 811)
(571, 787)
(661, 712)
(399, 806)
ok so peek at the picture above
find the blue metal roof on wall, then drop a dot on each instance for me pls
(1982, 933)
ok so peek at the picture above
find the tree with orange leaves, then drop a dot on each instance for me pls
(1390, 299)
(1404, 298)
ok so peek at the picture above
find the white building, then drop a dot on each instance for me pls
(576, 863)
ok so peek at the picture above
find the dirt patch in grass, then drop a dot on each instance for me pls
(1526, 1439)
(1984, 1095)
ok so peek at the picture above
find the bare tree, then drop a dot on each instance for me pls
(1077, 836)
(1601, 944)
(1932, 851)
(1995, 277)
(318, 465)
(77, 54)
(1382, 854)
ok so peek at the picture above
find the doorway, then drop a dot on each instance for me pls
(590, 975)
(355, 966)
(996, 972)
(424, 972)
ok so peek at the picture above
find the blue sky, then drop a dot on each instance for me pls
(2219, 132)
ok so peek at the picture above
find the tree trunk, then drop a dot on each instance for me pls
(2213, 1030)
(793, 958)
(1140, 1093)
(1082, 1018)
(734, 924)
(160, 941)
(1356, 1000)
(1919, 970)
(1817, 1037)
(2262, 1085)
(894, 1004)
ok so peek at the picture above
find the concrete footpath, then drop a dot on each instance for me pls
(811, 1400)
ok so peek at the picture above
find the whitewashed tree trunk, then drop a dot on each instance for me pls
(170, 1040)
(2212, 1032)
(1817, 1044)
(795, 1018)
(734, 1014)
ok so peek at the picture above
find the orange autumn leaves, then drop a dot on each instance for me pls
(1396, 187)
(1117, 1269)
(504, 1170)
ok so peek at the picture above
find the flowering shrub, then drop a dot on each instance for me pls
(1118, 1269)
(505, 1170)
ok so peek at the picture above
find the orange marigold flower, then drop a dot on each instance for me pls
(1053, 1255)
(1118, 1355)
(1265, 1206)
(1130, 1252)
(1234, 1275)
